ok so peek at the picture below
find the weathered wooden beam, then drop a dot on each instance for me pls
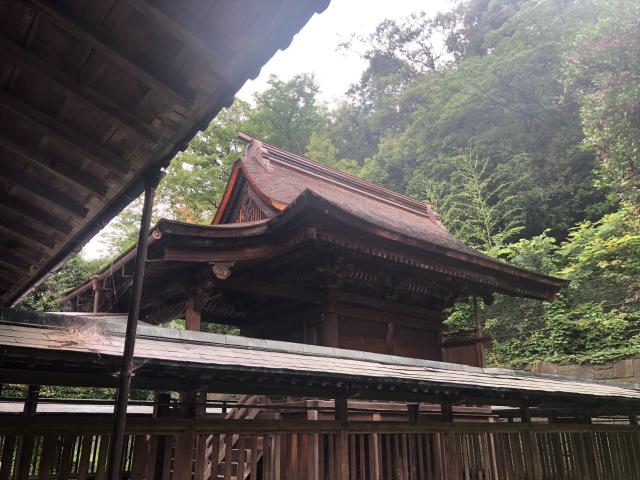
(54, 166)
(330, 321)
(58, 130)
(6, 285)
(33, 214)
(170, 21)
(43, 191)
(193, 311)
(99, 39)
(389, 306)
(9, 275)
(373, 315)
(166, 314)
(10, 260)
(25, 233)
(73, 88)
(266, 289)
(25, 258)
(88, 424)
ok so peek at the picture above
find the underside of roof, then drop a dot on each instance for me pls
(51, 346)
(97, 93)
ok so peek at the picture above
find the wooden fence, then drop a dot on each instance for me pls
(55, 448)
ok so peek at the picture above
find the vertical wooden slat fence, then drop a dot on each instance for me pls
(315, 455)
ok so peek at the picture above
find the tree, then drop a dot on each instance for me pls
(196, 178)
(479, 207)
(604, 71)
(287, 113)
(44, 297)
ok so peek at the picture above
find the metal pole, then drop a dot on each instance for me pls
(120, 413)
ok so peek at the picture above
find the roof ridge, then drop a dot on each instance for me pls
(313, 167)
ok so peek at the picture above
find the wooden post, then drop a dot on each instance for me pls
(342, 448)
(341, 408)
(161, 409)
(530, 442)
(193, 314)
(389, 339)
(478, 329)
(116, 449)
(97, 286)
(412, 412)
(25, 447)
(330, 324)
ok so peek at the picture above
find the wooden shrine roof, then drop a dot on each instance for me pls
(61, 349)
(279, 178)
(312, 220)
(94, 94)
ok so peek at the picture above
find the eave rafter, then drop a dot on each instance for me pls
(54, 128)
(11, 205)
(74, 89)
(172, 22)
(99, 39)
(42, 191)
(55, 167)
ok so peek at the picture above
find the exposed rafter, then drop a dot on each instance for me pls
(172, 23)
(26, 211)
(45, 192)
(58, 130)
(25, 234)
(99, 39)
(75, 89)
(56, 167)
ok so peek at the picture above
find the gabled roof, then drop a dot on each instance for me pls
(280, 178)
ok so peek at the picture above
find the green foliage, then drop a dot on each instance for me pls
(597, 318)
(604, 71)
(479, 207)
(44, 297)
(287, 113)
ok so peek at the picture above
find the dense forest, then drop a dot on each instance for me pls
(518, 120)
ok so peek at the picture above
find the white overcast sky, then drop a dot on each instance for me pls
(315, 50)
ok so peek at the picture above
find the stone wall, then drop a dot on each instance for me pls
(627, 370)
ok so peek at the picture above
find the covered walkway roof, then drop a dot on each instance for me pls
(75, 350)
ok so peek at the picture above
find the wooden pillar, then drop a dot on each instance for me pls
(161, 409)
(390, 340)
(193, 314)
(343, 454)
(531, 450)
(97, 286)
(330, 323)
(341, 408)
(413, 409)
(25, 447)
(478, 329)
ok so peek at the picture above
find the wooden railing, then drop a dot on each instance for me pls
(56, 448)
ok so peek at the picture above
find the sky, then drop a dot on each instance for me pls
(315, 50)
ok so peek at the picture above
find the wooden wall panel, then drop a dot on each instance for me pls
(416, 343)
(359, 334)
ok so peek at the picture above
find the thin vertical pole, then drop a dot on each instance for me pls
(122, 400)
(476, 320)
